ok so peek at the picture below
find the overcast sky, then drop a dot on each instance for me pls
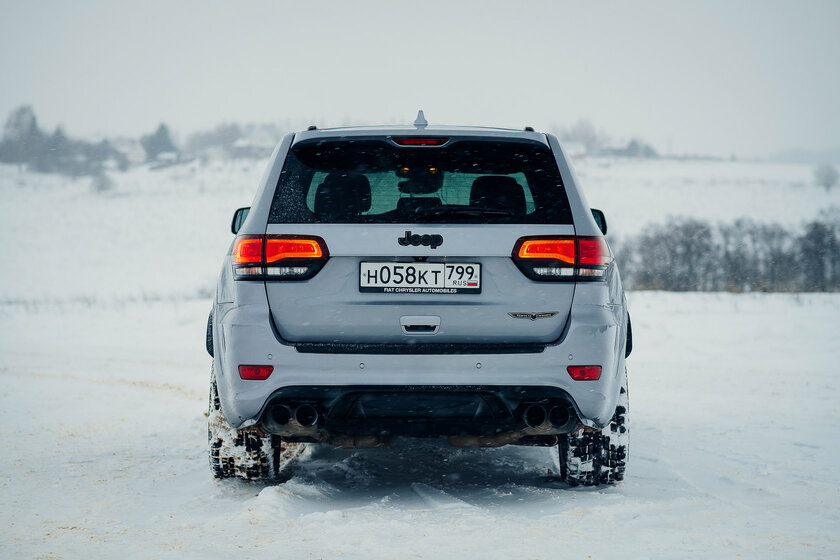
(749, 78)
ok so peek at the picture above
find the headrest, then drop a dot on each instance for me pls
(408, 204)
(423, 184)
(342, 195)
(498, 191)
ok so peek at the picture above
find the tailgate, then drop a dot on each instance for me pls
(351, 301)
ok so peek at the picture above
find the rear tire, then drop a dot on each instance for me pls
(208, 338)
(590, 458)
(247, 454)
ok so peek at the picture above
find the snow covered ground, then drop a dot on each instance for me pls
(733, 451)
(103, 303)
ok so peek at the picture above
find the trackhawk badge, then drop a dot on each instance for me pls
(533, 316)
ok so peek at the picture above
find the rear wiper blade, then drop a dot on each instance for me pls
(469, 211)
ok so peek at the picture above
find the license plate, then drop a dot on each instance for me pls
(420, 278)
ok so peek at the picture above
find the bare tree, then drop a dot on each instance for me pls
(158, 143)
(583, 131)
(826, 176)
(743, 256)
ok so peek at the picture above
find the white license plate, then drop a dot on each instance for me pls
(420, 278)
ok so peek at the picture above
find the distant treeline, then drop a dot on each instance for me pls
(24, 143)
(744, 256)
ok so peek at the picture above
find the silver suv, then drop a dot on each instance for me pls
(422, 282)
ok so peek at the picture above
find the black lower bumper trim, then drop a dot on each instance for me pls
(441, 348)
(420, 411)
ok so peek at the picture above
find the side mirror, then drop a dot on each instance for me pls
(600, 219)
(239, 219)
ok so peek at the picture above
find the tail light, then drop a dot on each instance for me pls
(278, 257)
(562, 258)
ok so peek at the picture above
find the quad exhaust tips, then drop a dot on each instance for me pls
(551, 420)
(542, 425)
(532, 423)
(282, 419)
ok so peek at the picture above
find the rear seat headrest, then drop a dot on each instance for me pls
(342, 195)
(498, 191)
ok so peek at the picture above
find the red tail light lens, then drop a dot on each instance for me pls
(419, 141)
(584, 373)
(556, 249)
(258, 373)
(562, 258)
(278, 257)
(277, 249)
(247, 250)
(593, 251)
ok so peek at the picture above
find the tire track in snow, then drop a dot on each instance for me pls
(167, 388)
(437, 498)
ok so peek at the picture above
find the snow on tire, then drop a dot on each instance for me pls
(248, 454)
(592, 458)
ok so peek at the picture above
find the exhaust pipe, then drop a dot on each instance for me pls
(559, 416)
(277, 418)
(281, 414)
(306, 415)
(358, 442)
(534, 416)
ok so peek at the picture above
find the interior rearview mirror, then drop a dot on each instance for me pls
(600, 219)
(239, 219)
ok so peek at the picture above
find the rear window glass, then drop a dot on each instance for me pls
(374, 181)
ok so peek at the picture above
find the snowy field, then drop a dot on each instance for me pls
(103, 303)
(635, 193)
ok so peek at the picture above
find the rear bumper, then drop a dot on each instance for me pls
(595, 335)
(336, 413)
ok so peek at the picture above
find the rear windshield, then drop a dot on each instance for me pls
(465, 181)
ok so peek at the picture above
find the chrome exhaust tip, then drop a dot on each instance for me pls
(306, 415)
(559, 416)
(534, 416)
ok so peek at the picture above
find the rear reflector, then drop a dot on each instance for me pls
(584, 373)
(419, 141)
(255, 372)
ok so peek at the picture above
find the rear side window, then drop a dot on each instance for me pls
(374, 181)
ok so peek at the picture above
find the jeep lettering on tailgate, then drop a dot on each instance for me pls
(432, 241)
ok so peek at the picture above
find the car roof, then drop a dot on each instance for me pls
(430, 130)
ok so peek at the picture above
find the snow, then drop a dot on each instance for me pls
(634, 193)
(103, 304)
